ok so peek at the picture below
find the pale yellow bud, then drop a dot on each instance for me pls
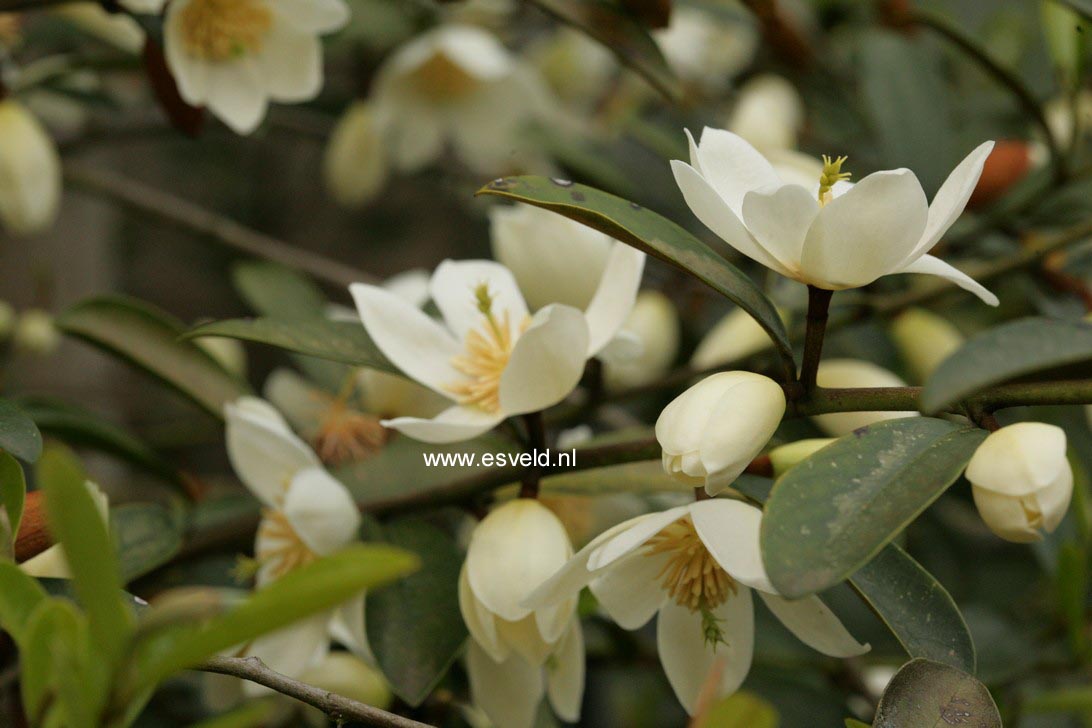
(346, 674)
(355, 165)
(36, 333)
(786, 456)
(655, 325)
(924, 340)
(735, 337)
(30, 172)
(229, 353)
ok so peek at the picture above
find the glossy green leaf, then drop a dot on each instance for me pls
(414, 626)
(1011, 350)
(926, 693)
(339, 341)
(19, 596)
(13, 491)
(916, 608)
(148, 535)
(622, 35)
(79, 527)
(310, 589)
(834, 511)
(18, 434)
(740, 710)
(278, 292)
(150, 340)
(652, 233)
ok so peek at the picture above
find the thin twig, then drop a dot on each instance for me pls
(194, 218)
(336, 706)
(536, 443)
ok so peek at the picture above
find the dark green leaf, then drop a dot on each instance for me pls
(926, 693)
(1005, 352)
(148, 535)
(13, 491)
(414, 626)
(18, 435)
(278, 292)
(655, 235)
(621, 34)
(834, 511)
(150, 339)
(916, 608)
(340, 341)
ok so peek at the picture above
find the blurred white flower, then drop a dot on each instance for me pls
(345, 674)
(711, 432)
(518, 653)
(838, 373)
(735, 337)
(489, 355)
(52, 563)
(695, 567)
(307, 514)
(833, 234)
(36, 333)
(924, 340)
(577, 68)
(654, 326)
(768, 114)
(1021, 480)
(234, 56)
(707, 48)
(30, 172)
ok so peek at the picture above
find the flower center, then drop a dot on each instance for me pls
(691, 576)
(441, 79)
(222, 30)
(280, 548)
(487, 352)
(832, 174)
(346, 435)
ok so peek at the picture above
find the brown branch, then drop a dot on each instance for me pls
(818, 308)
(336, 706)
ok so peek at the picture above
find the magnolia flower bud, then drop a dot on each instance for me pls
(786, 456)
(768, 114)
(855, 373)
(655, 325)
(346, 674)
(1021, 480)
(711, 432)
(924, 340)
(735, 337)
(36, 333)
(228, 353)
(355, 165)
(30, 172)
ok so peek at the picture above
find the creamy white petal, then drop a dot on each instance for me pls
(730, 530)
(293, 649)
(453, 287)
(321, 511)
(348, 627)
(415, 137)
(733, 167)
(547, 361)
(552, 620)
(779, 220)
(635, 535)
(509, 692)
(30, 171)
(312, 16)
(865, 233)
(615, 296)
(630, 589)
(730, 442)
(1019, 459)
(49, 564)
(263, 452)
(1053, 500)
(1008, 516)
(715, 214)
(454, 424)
(936, 267)
(473, 49)
(565, 674)
(815, 625)
(291, 62)
(690, 663)
(415, 343)
(479, 621)
(235, 93)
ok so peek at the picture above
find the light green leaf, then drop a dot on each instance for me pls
(916, 608)
(278, 292)
(13, 491)
(740, 710)
(19, 596)
(56, 632)
(414, 625)
(834, 511)
(339, 341)
(18, 434)
(150, 340)
(652, 233)
(311, 589)
(926, 693)
(79, 527)
(1011, 350)
(854, 723)
(148, 535)
(1065, 33)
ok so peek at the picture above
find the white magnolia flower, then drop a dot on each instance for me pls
(924, 340)
(577, 68)
(308, 514)
(735, 337)
(517, 653)
(711, 432)
(832, 234)
(1021, 480)
(52, 563)
(489, 356)
(234, 56)
(695, 567)
(768, 114)
(838, 373)
(30, 172)
(654, 325)
(706, 49)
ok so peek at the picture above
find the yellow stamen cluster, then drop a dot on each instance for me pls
(832, 174)
(347, 435)
(487, 354)
(280, 546)
(691, 576)
(222, 30)
(441, 79)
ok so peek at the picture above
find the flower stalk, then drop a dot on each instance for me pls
(818, 310)
(536, 441)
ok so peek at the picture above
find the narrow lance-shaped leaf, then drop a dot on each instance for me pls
(281, 293)
(18, 434)
(830, 514)
(926, 693)
(149, 339)
(655, 235)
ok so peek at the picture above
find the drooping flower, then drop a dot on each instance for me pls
(712, 431)
(1021, 480)
(307, 514)
(489, 356)
(234, 56)
(695, 567)
(838, 373)
(518, 653)
(30, 171)
(833, 234)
